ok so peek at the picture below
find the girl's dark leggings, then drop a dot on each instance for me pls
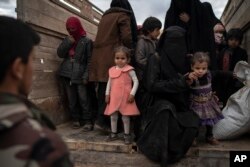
(209, 132)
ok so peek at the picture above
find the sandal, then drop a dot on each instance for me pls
(87, 127)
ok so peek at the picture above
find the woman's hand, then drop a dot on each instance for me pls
(131, 98)
(107, 98)
(184, 17)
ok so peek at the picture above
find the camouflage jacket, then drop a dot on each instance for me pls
(25, 137)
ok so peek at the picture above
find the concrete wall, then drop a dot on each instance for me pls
(48, 18)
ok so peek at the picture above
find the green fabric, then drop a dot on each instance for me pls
(37, 114)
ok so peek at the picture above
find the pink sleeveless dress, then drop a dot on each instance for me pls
(121, 85)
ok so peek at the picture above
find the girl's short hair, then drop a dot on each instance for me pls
(150, 24)
(123, 49)
(200, 57)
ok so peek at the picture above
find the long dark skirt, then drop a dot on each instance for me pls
(168, 134)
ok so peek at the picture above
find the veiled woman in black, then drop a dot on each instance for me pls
(169, 127)
(195, 18)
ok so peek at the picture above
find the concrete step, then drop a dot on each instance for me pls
(103, 159)
(89, 149)
(77, 140)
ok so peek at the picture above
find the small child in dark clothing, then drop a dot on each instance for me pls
(227, 60)
(202, 100)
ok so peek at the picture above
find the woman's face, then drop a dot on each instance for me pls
(218, 28)
(218, 33)
(71, 30)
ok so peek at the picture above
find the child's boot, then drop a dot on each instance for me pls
(127, 139)
(113, 136)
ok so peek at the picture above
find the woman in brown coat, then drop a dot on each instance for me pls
(117, 27)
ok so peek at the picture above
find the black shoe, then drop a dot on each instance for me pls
(112, 137)
(127, 139)
(102, 128)
(87, 127)
(75, 125)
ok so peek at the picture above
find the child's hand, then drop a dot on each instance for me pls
(191, 77)
(107, 98)
(131, 99)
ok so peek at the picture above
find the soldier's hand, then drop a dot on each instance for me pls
(107, 98)
(131, 98)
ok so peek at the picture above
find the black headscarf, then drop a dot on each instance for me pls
(176, 8)
(173, 52)
(199, 36)
(124, 4)
(210, 11)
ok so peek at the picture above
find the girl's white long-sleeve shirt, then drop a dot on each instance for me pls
(134, 79)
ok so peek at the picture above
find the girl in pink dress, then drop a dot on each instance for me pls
(120, 93)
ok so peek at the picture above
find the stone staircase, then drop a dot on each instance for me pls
(89, 149)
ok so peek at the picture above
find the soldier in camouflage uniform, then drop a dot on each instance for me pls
(26, 136)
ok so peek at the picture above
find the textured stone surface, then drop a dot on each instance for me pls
(89, 149)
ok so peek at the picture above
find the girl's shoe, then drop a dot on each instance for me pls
(127, 139)
(112, 137)
(212, 141)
